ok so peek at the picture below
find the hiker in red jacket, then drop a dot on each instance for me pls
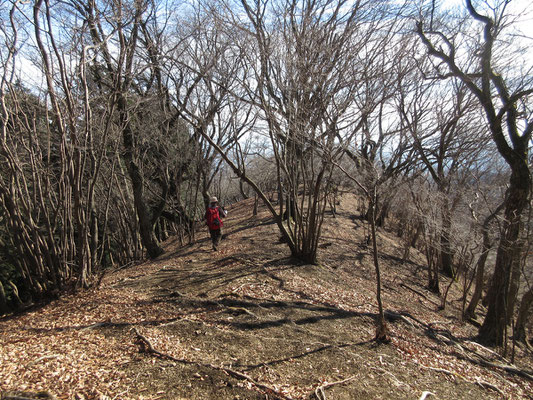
(213, 217)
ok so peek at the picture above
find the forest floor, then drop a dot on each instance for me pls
(247, 322)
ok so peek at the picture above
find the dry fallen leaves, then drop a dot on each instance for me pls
(61, 347)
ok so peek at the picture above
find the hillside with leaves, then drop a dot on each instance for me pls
(249, 322)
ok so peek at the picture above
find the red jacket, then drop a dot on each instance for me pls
(213, 217)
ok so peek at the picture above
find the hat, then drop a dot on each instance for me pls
(213, 200)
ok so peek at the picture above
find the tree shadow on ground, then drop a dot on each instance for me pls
(301, 355)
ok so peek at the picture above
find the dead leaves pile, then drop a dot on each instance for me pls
(63, 348)
(56, 348)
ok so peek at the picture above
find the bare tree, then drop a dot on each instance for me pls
(505, 105)
(203, 68)
(304, 99)
(524, 312)
(50, 159)
(444, 124)
(382, 332)
(133, 56)
(116, 72)
(525, 307)
(486, 246)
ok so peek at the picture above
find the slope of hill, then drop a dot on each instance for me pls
(247, 323)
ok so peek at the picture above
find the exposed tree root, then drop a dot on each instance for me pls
(507, 368)
(426, 394)
(417, 292)
(320, 390)
(382, 333)
(479, 359)
(455, 375)
(396, 380)
(393, 316)
(146, 346)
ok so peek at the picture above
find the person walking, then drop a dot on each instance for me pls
(213, 217)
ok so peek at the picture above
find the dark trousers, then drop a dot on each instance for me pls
(216, 236)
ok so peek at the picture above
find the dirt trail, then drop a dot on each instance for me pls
(247, 323)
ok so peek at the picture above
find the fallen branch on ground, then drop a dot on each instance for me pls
(393, 316)
(481, 360)
(441, 370)
(507, 368)
(449, 340)
(241, 310)
(149, 348)
(44, 395)
(455, 375)
(485, 385)
(490, 351)
(418, 293)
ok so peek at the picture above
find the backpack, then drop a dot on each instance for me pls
(213, 218)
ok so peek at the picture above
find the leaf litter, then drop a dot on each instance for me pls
(247, 322)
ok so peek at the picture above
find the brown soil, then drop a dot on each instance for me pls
(247, 322)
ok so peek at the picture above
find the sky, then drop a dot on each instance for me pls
(32, 75)
(523, 9)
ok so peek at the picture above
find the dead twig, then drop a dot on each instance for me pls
(396, 380)
(47, 357)
(454, 375)
(490, 351)
(320, 390)
(239, 287)
(507, 368)
(481, 360)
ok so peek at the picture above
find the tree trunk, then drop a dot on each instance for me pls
(511, 132)
(523, 315)
(256, 205)
(3, 300)
(145, 221)
(433, 263)
(470, 311)
(414, 238)
(290, 209)
(15, 294)
(382, 334)
(433, 285)
(383, 213)
(243, 192)
(514, 285)
(509, 252)
(145, 226)
(446, 252)
(480, 266)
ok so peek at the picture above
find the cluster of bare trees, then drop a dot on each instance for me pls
(98, 164)
(119, 117)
